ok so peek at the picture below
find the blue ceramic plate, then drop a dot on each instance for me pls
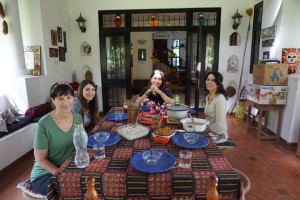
(113, 115)
(144, 107)
(179, 141)
(113, 139)
(192, 111)
(165, 163)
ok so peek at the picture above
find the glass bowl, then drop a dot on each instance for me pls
(101, 137)
(151, 157)
(190, 138)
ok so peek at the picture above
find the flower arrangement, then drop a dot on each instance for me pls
(156, 109)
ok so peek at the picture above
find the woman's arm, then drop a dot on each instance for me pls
(167, 97)
(143, 96)
(41, 156)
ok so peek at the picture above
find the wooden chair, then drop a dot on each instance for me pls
(253, 113)
(245, 181)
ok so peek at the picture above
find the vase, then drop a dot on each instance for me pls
(155, 121)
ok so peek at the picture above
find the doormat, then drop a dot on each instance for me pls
(228, 143)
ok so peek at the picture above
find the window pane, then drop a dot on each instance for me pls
(115, 51)
(209, 19)
(210, 51)
(158, 19)
(113, 20)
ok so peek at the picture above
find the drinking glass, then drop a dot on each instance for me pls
(185, 158)
(118, 117)
(99, 148)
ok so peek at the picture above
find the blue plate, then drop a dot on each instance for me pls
(179, 141)
(165, 163)
(144, 107)
(113, 139)
(113, 115)
(192, 111)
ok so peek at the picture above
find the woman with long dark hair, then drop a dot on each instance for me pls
(86, 104)
(216, 107)
(156, 90)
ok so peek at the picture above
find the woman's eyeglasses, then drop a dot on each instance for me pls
(211, 80)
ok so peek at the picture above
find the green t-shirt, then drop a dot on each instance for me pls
(59, 143)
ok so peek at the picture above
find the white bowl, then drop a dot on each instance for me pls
(195, 128)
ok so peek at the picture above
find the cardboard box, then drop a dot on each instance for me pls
(270, 74)
(267, 94)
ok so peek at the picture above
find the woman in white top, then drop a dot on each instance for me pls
(215, 107)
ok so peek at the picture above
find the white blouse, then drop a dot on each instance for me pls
(216, 114)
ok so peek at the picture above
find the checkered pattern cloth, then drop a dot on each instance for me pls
(116, 178)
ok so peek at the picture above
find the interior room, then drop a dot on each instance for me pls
(118, 44)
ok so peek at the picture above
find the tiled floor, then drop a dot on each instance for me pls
(272, 167)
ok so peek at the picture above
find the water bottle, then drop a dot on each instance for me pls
(80, 139)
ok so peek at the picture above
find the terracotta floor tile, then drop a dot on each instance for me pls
(286, 197)
(265, 191)
(252, 196)
(294, 189)
(296, 177)
(274, 182)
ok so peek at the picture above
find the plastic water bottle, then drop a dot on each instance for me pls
(80, 139)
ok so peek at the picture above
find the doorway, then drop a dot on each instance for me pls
(198, 46)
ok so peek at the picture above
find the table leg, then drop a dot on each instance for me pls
(259, 124)
(265, 128)
(279, 124)
(248, 117)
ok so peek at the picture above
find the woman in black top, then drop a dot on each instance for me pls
(156, 90)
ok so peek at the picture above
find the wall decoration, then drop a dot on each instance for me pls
(232, 65)
(33, 59)
(269, 32)
(54, 37)
(268, 43)
(142, 54)
(53, 52)
(65, 40)
(290, 56)
(59, 34)
(235, 39)
(62, 54)
(86, 49)
(266, 54)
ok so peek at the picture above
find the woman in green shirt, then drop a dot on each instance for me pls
(53, 142)
(216, 107)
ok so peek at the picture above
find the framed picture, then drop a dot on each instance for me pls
(269, 32)
(62, 54)
(290, 56)
(53, 52)
(268, 43)
(59, 34)
(266, 54)
(54, 37)
(65, 40)
(33, 59)
(141, 54)
(232, 65)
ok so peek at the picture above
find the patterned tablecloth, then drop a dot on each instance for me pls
(116, 179)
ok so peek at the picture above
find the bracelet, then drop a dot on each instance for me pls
(146, 93)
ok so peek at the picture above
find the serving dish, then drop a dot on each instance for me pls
(194, 128)
(176, 112)
(165, 163)
(133, 131)
(168, 133)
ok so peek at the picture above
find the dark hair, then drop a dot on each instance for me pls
(91, 106)
(218, 80)
(58, 89)
(163, 78)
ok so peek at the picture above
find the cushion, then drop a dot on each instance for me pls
(3, 127)
(38, 110)
(8, 116)
(22, 121)
(26, 186)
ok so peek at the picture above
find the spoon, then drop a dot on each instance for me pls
(191, 117)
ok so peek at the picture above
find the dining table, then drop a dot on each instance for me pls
(117, 179)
